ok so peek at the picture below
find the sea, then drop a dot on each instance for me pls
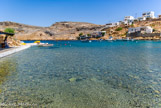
(75, 74)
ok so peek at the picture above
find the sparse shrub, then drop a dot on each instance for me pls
(119, 29)
(80, 34)
(78, 38)
(154, 30)
(132, 25)
(88, 34)
(103, 34)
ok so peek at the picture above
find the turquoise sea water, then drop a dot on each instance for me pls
(72, 74)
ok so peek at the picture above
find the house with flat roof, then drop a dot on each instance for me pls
(128, 20)
(148, 15)
(141, 19)
(144, 29)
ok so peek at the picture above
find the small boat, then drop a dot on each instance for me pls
(110, 39)
(86, 40)
(126, 39)
(45, 45)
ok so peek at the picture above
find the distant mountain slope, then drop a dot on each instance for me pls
(57, 31)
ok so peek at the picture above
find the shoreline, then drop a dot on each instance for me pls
(78, 40)
(7, 52)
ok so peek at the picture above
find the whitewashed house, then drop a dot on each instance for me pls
(128, 20)
(148, 15)
(141, 19)
(145, 29)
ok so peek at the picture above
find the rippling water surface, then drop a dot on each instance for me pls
(73, 74)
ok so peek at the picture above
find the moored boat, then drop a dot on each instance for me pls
(45, 45)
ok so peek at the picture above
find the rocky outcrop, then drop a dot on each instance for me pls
(57, 31)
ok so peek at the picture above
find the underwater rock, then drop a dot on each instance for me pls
(156, 91)
(93, 79)
(72, 79)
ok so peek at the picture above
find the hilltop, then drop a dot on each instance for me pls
(57, 31)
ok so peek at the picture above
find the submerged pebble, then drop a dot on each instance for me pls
(156, 91)
(72, 79)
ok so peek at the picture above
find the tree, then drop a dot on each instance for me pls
(8, 30)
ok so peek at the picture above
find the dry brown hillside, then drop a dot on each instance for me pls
(70, 30)
(57, 31)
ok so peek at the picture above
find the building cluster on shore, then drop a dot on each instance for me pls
(129, 20)
(96, 34)
(142, 31)
(146, 25)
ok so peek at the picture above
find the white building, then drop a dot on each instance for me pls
(148, 15)
(145, 29)
(128, 20)
(141, 19)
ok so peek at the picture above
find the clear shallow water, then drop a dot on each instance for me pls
(106, 75)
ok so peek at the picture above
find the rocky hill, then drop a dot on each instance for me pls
(117, 34)
(71, 30)
(57, 31)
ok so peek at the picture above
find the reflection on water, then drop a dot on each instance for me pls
(87, 75)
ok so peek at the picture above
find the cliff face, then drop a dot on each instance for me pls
(57, 31)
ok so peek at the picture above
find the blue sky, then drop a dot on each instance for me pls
(47, 12)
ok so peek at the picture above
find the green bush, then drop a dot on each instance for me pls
(80, 34)
(103, 34)
(119, 29)
(9, 30)
(88, 34)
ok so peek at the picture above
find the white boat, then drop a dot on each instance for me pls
(86, 40)
(110, 38)
(45, 45)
